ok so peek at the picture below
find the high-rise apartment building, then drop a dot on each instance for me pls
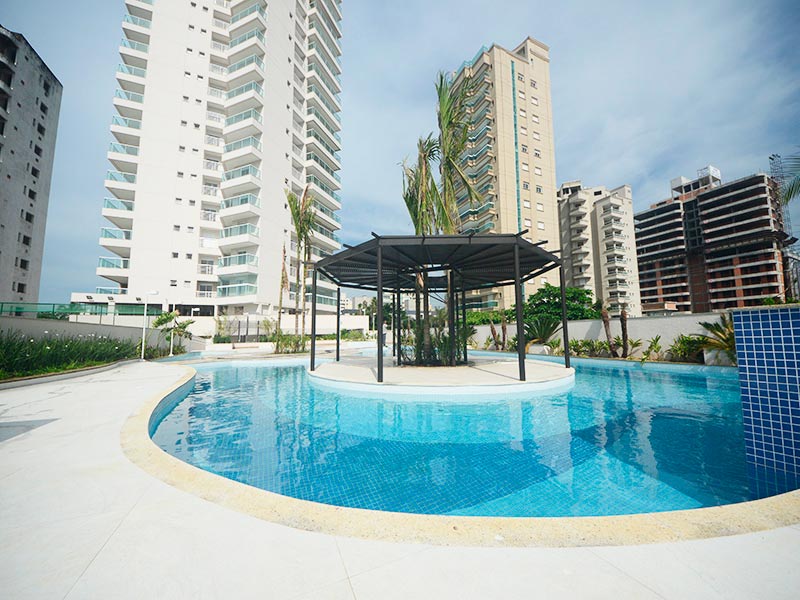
(222, 106)
(712, 245)
(598, 244)
(30, 100)
(510, 155)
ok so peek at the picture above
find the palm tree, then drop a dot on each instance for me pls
(169, 325)
(612, 347)
(453, 121)
(302, 219)
(721, 337)
(790, 187)
(623, 323)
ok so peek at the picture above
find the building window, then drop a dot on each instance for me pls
(537, 170)
(173, 283)
(180, 174)
(523, 131)
(23, 264)
(176, 228)
(534, 100)
(34, 171)
(21, 288)
(26, 240)
(527, 222)
(190, 229)
(533, 83)
(31, 194)
(538, 189)
(537, 153)
(40, 128)
(29, 217)
(540, 207)
(540, 224)
(188, 256)
(525, 167)
(175, 255)
(526, 203)
(526, 185)
(37, 150)
(524, 148)
(520, 77)
(522, 113)
(536, 135)
(521, 95)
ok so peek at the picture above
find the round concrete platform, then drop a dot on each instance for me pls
(481, 376)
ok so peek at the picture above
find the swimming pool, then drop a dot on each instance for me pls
(621, 441)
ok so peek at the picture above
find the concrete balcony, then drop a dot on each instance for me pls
(238, 264)
(253, 17)
(238, 237)
(242, 98)
(237, 293)
(246, 44)
(123, 157)
(242, 180)
(114, 269)
(240, 207)
(126, 130)
(206, 273)
(121, 184)
(249, 69)
(244, 124)
(322, 192)
(117, 241)
(130, 78)
(242, 152)
(119, 212)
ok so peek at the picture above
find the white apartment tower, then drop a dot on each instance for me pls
(221, 106)
(30, 99)
(598, 244)
(510, 155)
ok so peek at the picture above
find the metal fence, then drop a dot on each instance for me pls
(63, 311)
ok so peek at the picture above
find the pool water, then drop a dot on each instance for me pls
(621, 441)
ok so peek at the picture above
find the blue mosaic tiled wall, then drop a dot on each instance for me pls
(768, 353)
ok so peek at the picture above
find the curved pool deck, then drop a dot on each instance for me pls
(80, 520)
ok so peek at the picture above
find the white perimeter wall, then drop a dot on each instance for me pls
(39, 328)
(643, 328)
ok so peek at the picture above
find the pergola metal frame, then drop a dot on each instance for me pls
(470, 262)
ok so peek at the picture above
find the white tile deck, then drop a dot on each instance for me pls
(78, 520)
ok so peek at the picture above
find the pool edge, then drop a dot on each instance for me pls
(644, 528)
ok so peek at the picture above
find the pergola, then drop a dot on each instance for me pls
(455, 264)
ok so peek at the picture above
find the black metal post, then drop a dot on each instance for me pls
(464, 320)
(379, 324)
(451, 322)
(394, 324)
(313, 318)
(564, 314)
(520, 324)
(246, 327)
(238, 330)
(338, 320)
(398, 328)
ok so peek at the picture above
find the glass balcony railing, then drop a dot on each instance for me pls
(243, 143)
(113, 263)
(323, 165)
(479, 229)
(247, 87)
(210, 190)
(237, 289)
(114, 291)
(239, 201)
(123, 149)
(253, 33)
(124, 122)
(216, 92)
(325, 231)
(319, 183)
(313, 46)
(132, 96)
(117, 204)
(256, 8)
(321, 141)
(476, 210)
(313, 111)
(243, 116)
(134, 45)
(327, 211)
(238, 259)
(242, 172)
(133, 20)
(129, 70)
(115, 234)
(244, 229)
(250, 60)
(120, 176)
(334, 111)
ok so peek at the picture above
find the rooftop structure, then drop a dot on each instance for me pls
(30, 101)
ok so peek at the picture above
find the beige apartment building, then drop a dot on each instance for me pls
(510, 155)
(598, 244)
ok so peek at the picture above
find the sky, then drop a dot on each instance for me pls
(642, 92)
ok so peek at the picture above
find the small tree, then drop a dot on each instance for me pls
(720, 337)
(547, 300)
(169, 325)
(612, 347)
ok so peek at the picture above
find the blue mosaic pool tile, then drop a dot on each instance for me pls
(768, 353)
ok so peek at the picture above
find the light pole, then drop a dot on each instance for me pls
(144, 318)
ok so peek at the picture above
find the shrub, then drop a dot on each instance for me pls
(289, 344)
(540, 328)
(686, 348)
(721, 337)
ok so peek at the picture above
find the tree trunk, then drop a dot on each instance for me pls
(612, 347)
(297, 289)
(280, 292)
(306, 259)
(504, 330)
(623, 323)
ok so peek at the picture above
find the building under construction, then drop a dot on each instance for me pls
(712, 245)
